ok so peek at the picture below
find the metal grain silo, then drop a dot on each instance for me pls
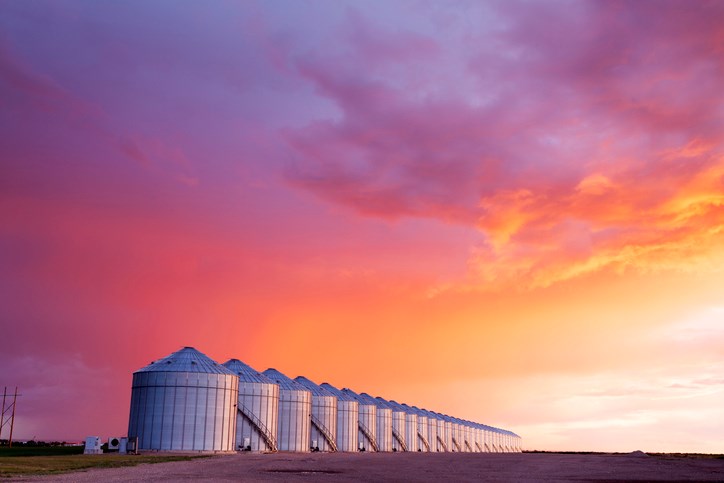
(257, 409)
(398, 426)
(456, 435)
(384, 423)
(432, 436)
(422, 443)
(184, 402)
(347, 419)
(411, 438)
(324, 417)
(437, 432)
(295, 413)
(466, 435)
(367, 421)
(447, 431)
(479, 443)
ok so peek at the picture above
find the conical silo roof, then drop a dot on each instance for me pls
(385, 403)
(312, 387)
(341, 395)
(371, 400)
(284, 381)
(187, 359)
(357, 397)
(245, 372)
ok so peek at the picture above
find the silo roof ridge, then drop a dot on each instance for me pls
(341, 395)
(186, 359)
(246, 373)
(284, 381)
(313, 387)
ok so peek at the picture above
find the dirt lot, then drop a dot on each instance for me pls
(413, 467)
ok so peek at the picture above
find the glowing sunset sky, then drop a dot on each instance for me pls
(512, 212)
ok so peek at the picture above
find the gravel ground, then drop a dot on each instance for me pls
(422, 467)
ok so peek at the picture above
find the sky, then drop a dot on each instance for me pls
(509, 212)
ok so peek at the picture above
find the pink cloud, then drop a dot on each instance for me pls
(596, 119)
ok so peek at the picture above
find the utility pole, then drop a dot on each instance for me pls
(11, 418)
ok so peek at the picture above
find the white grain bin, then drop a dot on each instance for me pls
(431, 430)
(184, 402)
(437, 431)
(478, 431)
(295, 413)
(447, 431)
(257, 409)
(422, 443)
(467, 446)
(367, 421)
(455, 435)
(384, 423)
(347, 419)
(398, 426)
(324, 417)
(411, 438)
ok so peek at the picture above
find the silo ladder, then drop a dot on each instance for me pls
(368, 435)
(442, 443)
(266, 435)
(400, 439)
(457, 445)
(479, 448)
(467, 445)
(487, 448)
(424, 441)
(325, 432)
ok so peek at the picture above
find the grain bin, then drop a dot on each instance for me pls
(422, 443)
(431, 430)
(437, 431)
(295, 413)
(257, 409)
(384, 423)
(367, 420)
(447, 431)
(347, 419)
(324, 416)
(398, 426)
(411, 438)
(184, 402)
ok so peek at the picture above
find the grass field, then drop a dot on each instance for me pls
(61, 459)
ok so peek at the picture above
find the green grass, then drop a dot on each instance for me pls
(45, 465)
(40, 451)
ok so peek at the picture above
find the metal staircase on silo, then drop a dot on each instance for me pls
(368, 434)
(456, 444)
(424, 441)
(479, 448)
(442, 443)
(266, 435)
(467, 445)
(399, 439)
(325, 432)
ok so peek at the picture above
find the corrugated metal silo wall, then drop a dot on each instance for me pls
(295, 411)
(398, 423)
(384, 429)
(347, 426)
(411, 437)
(262, 400)
(324, 408)
(367, 417)
(180, 411)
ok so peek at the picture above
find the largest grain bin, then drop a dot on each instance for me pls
(323, 436)
(347, 417)
(295, 413)
(184, 402)
(257, 409)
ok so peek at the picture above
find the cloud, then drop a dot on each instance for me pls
(596, 144)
